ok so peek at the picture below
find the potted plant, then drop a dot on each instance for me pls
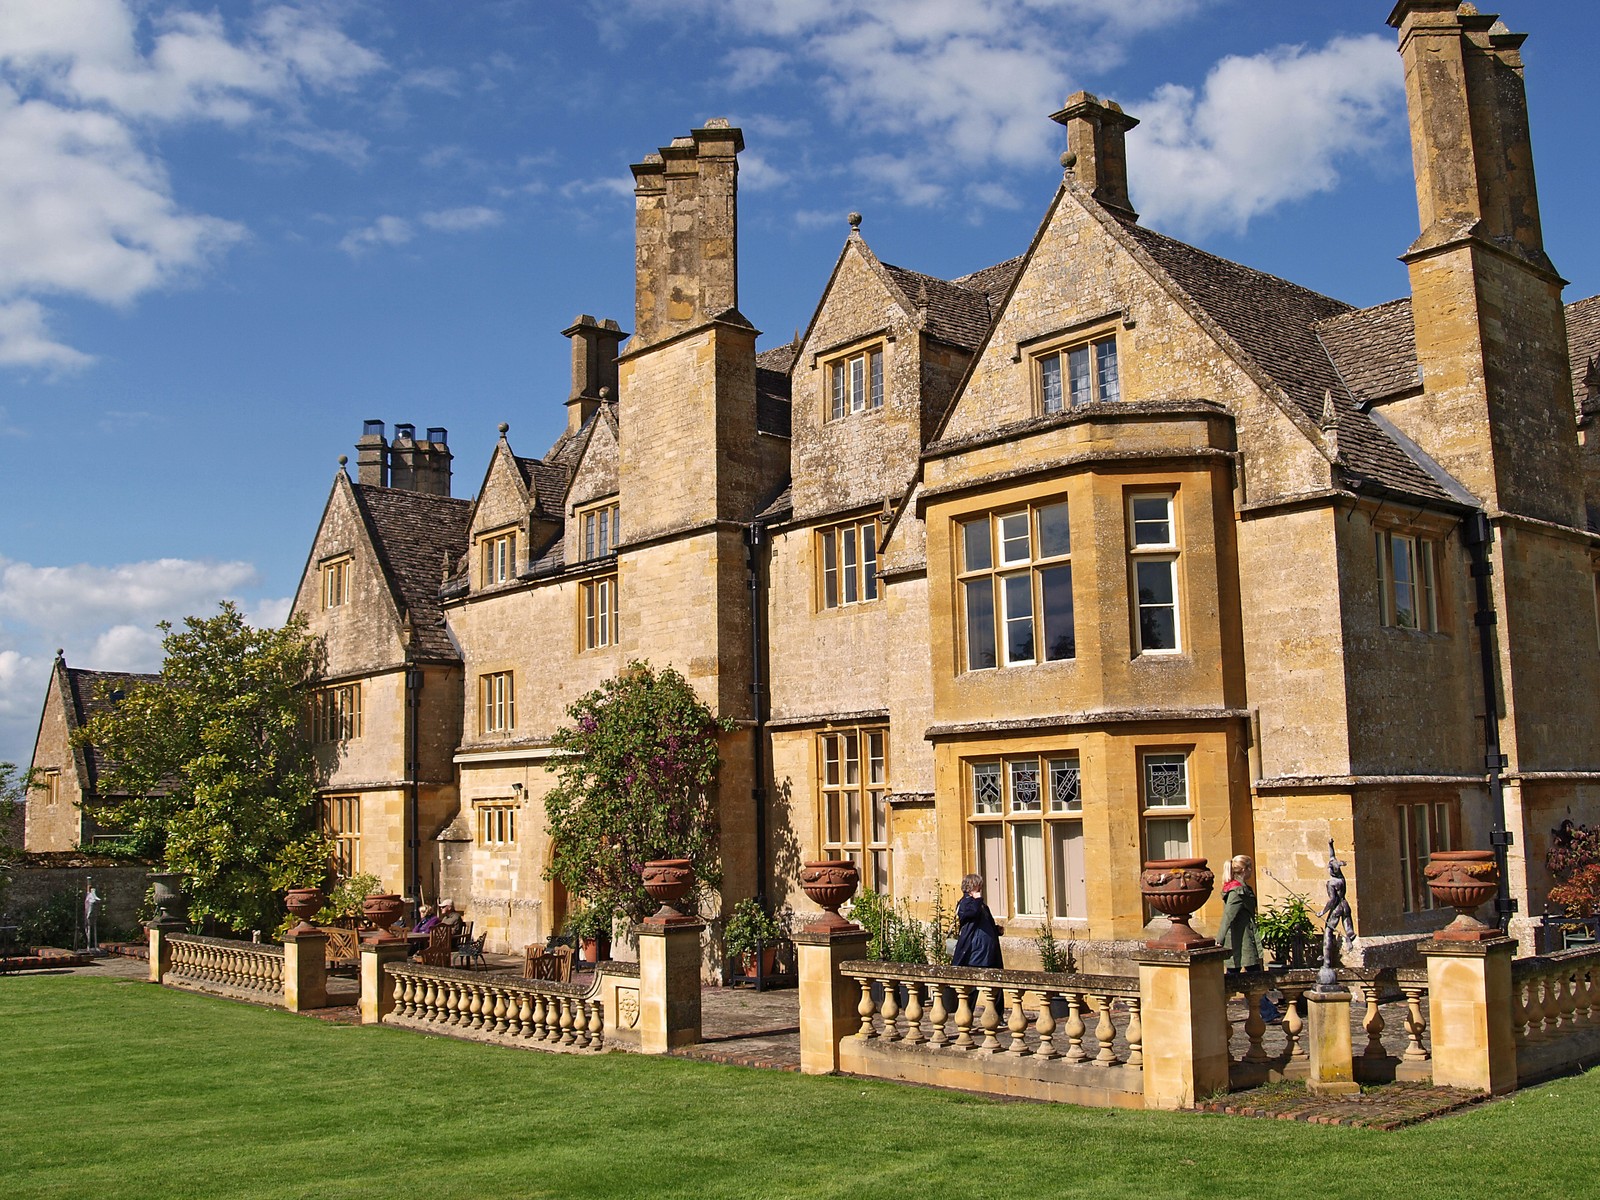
(751, 930)
(590, 927)
(1287, 932)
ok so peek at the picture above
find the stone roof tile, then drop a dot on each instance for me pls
(416, 534)
(1374, 350)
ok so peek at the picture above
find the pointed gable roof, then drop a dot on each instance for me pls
(85, 695)
(414, 535)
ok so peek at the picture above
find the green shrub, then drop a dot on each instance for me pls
(51, 922)
(1053, 957)
(747, 925)
(343, 905)
(1287, 930)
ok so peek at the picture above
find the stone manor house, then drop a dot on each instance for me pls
(1112, 551)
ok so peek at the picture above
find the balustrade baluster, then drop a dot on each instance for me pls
(913, 1033)
(1372, 1021)
(937, 1015)
(476, 991)
(990, 1022)
(402, 996)
(597, 1025)
(1415, 1024)
(1046, 1024)
(1255, 1025)
(866, 1008)
(541, 1010)
(1075, 1028)
(460, 1001)
(1135, 1033)
(890, 1010)
(1294, 1025)
(1104, 1031)
(569, 1020)
(1016, 1023)
(500, 1022)
(524, 1022)
(1569, 999)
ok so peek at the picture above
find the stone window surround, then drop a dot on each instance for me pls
(1035, 565)
(593, 544)
(495, 822)
(336, 579)
(1054, 808)
(1438, 825)
(1145, 554)
(1099, 380)
(1155, 806)
(1423, 552)
(336, 713)
(867, 747)
(497, 701)
(861, 585)
(497, 555)
(598, 612)
(341, 821)
(839, 357)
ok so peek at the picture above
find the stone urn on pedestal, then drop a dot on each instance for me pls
(1176, 888)
(382, 910)
(303, 903)
(668, 880)
(1464, 880)
(830, 882)
(172, 906)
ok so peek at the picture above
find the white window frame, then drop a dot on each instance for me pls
(854, 382)
(598, 615)
(1055, 374)
(341, 821)
(336, 713)
(1436, 833)
(336, 582)
(1155, 804)
(497, 702)
(1013, 559)
(498, 559)
(1421, 558)
(497, 823)
(853, 780)
(847, 562)
(1154, 557)
(601, 528)
(1041, 793)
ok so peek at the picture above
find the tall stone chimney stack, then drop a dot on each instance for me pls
(1097, 143)
(372, 455)
(687, 240)
(594, 365)
(416, 464)
(1496, 409)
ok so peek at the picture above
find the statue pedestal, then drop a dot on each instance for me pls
(1328, 1043)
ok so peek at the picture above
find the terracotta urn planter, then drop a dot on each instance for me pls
(304, 903)
(1464, 880)
(596, 949)
(769, 962)
(172, 906)
(830, 882)
(668, 881)
(1176, 887)
(383, 909)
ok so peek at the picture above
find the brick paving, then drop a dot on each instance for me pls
(1388, 1106)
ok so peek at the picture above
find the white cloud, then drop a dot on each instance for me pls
(270, 612)
(757, 174)
(25, 339)
(127, 648)
(751, 66)
(1263, 131)
(461, 220)
(86, 207)
(385, 231)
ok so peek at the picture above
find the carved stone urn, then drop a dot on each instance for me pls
(829, 883)
(1464, 880)
(668, 881)
(172, 906)
(303, 903)
(383, 909)
(1176, 887)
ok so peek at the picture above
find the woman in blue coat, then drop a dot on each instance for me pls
(977, 941)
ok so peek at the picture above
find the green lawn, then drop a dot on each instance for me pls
(121, 1089)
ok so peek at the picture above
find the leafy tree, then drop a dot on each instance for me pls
(1574, 859)
(635, 768)
(215, 767)
(14, 787)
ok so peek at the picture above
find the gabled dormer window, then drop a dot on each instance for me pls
(601, 530)
(855, 382)
(499, 557)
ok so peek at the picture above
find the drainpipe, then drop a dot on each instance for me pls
(758, 692)
(1477, 535)
(413, 724)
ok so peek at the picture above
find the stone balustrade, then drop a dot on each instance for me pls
(539, 1014)
(1391, 1000)
(246, 970)
(1555, 1012)
(1048, 1036)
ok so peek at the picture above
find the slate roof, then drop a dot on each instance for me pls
(549, 480)
(1583, 342)
(415, 534)
(1374, 350)
(993, 281)
(958, 315)
(1275, 323)
(90, 693)
(773, 393)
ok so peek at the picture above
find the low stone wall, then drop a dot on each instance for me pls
(121, 889)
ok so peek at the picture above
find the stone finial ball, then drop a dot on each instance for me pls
(504, 428)
(855, 220)
(343, 458)
(1069, 160)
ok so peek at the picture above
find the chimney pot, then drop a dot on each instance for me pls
(1097, 148)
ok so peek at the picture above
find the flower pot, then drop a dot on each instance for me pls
(172, 906)
(829, 883)
(1463, 880)
(769, 962)
(596, 949)
(383, 910)
(304, 903)
(667, 880)
(1176, 887)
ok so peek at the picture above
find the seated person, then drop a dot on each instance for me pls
(448, 914)
(430, 918)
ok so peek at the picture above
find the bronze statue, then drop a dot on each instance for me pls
(1336, 917)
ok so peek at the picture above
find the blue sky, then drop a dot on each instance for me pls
(229, 232)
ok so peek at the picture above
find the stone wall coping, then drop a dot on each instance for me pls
(1150, 957)
(832, 718)
(1109, 410)
(230, 943)
(850, 934)
(513, 983)
(1536, 963)
(1099, 985)
(1283, 783)
(1434, 948)
(1104, 716)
